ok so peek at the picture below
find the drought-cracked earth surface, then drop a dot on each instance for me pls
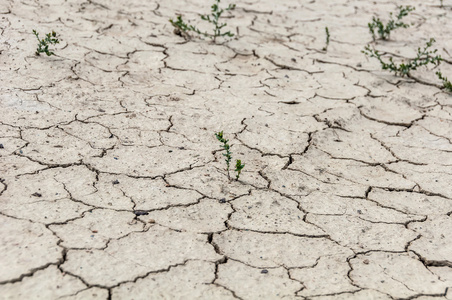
(113, 185)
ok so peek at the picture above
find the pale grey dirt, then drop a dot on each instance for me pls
(113, 185)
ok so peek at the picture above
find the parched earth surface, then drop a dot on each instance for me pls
(113, 185)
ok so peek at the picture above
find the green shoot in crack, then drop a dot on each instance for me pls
(213, 18)
(385, 31)
(446, 83)
(227, 148)
(43, 45)
(228, 155)
(423, 58)
(327, 39)
(238, 168)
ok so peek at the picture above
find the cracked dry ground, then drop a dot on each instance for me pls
(113, 185)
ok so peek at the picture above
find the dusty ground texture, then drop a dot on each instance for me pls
(113, 185)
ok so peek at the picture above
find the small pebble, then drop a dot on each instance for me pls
(1, 146)
(140, 213)
(264, 271)
(151, 221)
(223, 200)
(116, 181)
(37, 194)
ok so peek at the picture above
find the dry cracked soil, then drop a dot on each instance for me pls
(113, 185)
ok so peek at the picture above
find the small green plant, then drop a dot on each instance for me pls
(43, 45)
(384, 31)
(228, 155)
(327, 39)
(213, 18)
(423, 57)
(238, 168)
(226, 147)
(182, 28)
(446, 83)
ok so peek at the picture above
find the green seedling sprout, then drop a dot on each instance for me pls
(446, 83)
(424, 57)
(43, 44)
(226, 147)
(238, 168)
(213, 18)
(228, 155)
(384, 31)
(327, 39)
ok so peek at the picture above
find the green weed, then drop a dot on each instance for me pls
(228, 155)
(327, 39)
(226, 147)
(423, 57)
(213, 18)
(384, 31)
(446, 83)
(43, 45)
(238, 168)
